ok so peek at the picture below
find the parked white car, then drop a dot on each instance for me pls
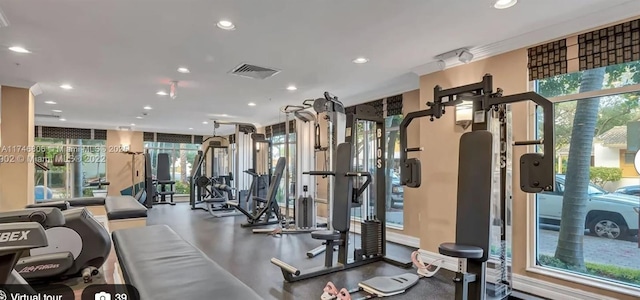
(609, 215)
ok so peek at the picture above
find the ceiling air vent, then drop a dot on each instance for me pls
(47, 116)
(252, 71)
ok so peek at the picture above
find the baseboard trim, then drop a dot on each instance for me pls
(522, 283)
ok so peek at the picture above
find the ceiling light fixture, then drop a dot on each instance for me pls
(66, 87)
(503, 4)
(173, 92)
(184, 70)
(161, 93)
(205, 122)
(63, 119)
(147, 107)
(292, 88)
(50, 102)
(133, 124)
(139, 117)
(56, 110)
(251, 104)
(226, 25)
(462, 54)
(19, 49)
(361, 60)
(190, 128)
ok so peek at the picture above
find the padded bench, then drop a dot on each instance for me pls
(125, 212)
(93, 204)
(152, 258)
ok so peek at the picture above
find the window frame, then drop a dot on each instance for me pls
(532, 220)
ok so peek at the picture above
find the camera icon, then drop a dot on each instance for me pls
(102, 296)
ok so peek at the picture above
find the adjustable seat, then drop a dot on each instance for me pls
(327, 235)
(460, 251)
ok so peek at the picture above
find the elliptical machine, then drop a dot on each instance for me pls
(79, 247)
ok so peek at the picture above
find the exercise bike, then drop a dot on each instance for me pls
(77, 248)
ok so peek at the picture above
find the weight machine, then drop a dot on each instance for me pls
(303, 219)
(485, 151)
(211, 190)
(347, 195)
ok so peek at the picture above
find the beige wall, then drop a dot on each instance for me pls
(437, 210)
(119, 164)
(16, 169)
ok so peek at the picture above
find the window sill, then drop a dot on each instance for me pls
(585, 280)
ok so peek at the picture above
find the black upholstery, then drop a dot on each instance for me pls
(59, 204)
(275, 180)
(86, 201)
(473, 216)
(460, 251)
(343, 189)
(327, 235)
(124, 207)
(163, 173)
(162, 265)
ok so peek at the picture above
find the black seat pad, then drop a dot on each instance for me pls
(60, 204)
(153, 257)
(327, 235)
(124, 207)
(460, 251)
(166, 182)
(86, 201)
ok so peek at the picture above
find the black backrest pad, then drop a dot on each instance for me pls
(277, 177)
(164, 172)
(343, 188)
(473, 218)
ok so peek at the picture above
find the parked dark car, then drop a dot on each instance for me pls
(633, 190)
(397, 191)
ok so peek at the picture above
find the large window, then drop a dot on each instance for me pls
(277, 151)
(181, 156)
(85, 165)
(365, 161)
(395, 191)
(589, 223)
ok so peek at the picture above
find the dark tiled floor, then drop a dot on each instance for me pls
(246, 256)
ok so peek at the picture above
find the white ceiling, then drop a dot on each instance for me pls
(117, 54)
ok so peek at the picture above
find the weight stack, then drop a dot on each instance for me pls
(371, 238)
(305, 212)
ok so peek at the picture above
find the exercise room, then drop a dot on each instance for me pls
(485, 149)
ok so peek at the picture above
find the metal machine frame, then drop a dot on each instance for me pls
(536, 170)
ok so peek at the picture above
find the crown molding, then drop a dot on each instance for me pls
(556, 31)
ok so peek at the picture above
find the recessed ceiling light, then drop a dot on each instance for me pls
(133, 124)
(292, 88)
(205, 122)
(66, 87)
(56, 110)
(19, 49)
(147, 107)
(361, 60)
(184, 70)
(190, 128)
(226, 25)
(161, 93)
(62, 119)
(139, 117)
(251, 104)
(502, 4)
(50, 102)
